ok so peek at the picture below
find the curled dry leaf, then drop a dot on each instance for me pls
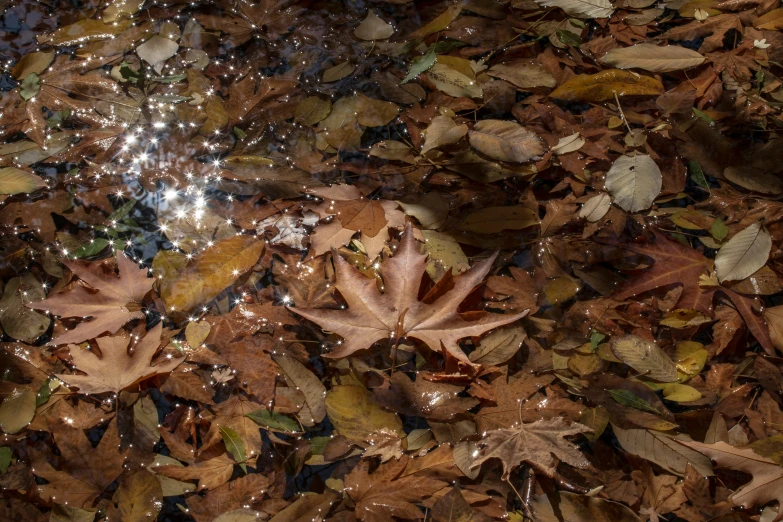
(443, 131)
(743, 254)
(634, 182)
(505, 141)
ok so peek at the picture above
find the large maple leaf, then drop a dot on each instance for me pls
(116, 369)
(397, 312)
(386, 493)
(674, 263)
(112, 302)
(767, 483)
(85, 472)
(533, 443)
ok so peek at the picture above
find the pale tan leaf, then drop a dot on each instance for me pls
(505, 141)
(596, 207)
(581, 8)
(442, 131)
(533, 444)
(306, 382)
(523, 75)
(663, 450)
(373, 28)
(157, 50)
(653, 58)
(454, 83)
(744, 254)
(634, 182)
(568, 144)
(645, 357)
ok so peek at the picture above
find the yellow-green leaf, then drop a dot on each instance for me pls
(18, 181)
(357, 416)
(681, 393)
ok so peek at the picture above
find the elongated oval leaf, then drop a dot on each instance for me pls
(653, 58)
(214, 270)
(581, 8)
(453, 82)
(634, 182)
(645, 357)
(505, 141)
(604, 85)
(662, 450)
(596, 207)
(743, 254)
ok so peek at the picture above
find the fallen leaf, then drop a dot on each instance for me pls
(116, 369)
(505, 141)
(367, 319)
(373, 28)
(653, 58)
(117, 300)
(743, 254)
(604, 85)
(634, 182)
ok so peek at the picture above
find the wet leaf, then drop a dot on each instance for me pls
(651, 57)
(373, 28)
(452, 82)
(581, 8)
(505, 141)
(604, 85)
(743, 254)
(634, 182)
(17, 410)
(357, 416)
(645, 357)
(213, 271)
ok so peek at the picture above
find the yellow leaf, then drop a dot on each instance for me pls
(681, 393)
(772, 20)
(217, 268)
(357, 416)
(441, 22)
(82, 32)
(603, 85)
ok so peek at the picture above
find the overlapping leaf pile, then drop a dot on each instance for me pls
(450, 261)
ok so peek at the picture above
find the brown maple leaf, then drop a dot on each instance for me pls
(116, 369)
(85, 472)
(228, 497)
(767, 483)
(384, 494)
(113, 301)
(372, 316)
(674, 264)
(534, 444)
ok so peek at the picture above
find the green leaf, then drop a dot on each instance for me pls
(5, 458)
(122, 211)
(90, 249)
(697, 175)
(235, 445)
(239, 133)
(703, 115)
(569, 38)
(719, 230)
(30, 86)
(627, 398)
(274, 421)
(420, 65)
(595, 339)
(42, 397)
